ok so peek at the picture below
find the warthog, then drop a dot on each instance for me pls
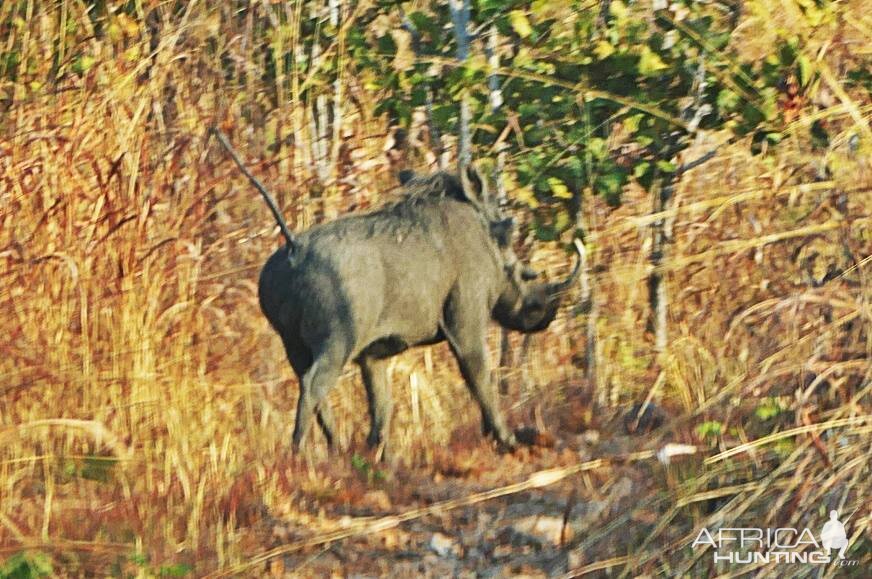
(435, 265)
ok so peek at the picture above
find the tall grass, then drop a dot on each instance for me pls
(146, 407)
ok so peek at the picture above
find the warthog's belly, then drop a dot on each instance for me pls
(385, 347)
(392, 345)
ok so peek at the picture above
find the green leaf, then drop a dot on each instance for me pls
(598, 148)
(423, 23)
(641, 169)
(562, 221)
(806, 70)
(98, 468)
(610, 186)
(83, 64)
(819, 136)
(667, 167)
(727, 100)
(175, 570)
(619, 10)
(544, 232)
(27, 566)
(710, 429)
(650, 63)
(632, 122)
(603, 49)
(360, 464)
(768, 408)
(559, 188)
(520, 24)
(526, 196)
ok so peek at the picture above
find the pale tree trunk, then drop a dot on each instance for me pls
(460, 18)
(335, 16)
(591, 354)
(301, 162)
(589, 305)
(662, 191)
(658, 297)
(320, 121)
(496, 101)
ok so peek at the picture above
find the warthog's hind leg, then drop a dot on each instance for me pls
(378, 393)
(325, 420)
(301, 362)
(318, 380)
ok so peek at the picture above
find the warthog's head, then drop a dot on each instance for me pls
(524, 304)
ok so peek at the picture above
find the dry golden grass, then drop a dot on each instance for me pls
(146, 407)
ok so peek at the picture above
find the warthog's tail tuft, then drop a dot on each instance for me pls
(290, 238)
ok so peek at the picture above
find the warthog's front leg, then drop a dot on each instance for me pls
(378, 392)
(475, 369)
(467, 341)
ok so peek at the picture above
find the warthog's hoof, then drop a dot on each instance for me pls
(507, 443)
(641, 419)
(530, 436)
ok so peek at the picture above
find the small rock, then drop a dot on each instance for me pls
(546, 530)
(443, 545)
(590, 436)
(574, 559)
(501, 551)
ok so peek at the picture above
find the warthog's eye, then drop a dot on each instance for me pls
(528, 274)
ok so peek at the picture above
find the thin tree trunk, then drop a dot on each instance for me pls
(338, 96)
(320, 120)
(460, 18)
(588, 306)
(591, 354)
(661, 192)
(496, 100)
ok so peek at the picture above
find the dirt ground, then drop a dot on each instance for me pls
(549, 531)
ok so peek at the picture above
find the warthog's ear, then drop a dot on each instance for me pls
(473, 185)
(405, 176)
(501, 231)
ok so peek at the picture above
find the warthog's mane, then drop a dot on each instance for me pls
(412, 212)
(436, 186)
(419, 192)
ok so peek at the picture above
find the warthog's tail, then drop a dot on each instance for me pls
(290, 238)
